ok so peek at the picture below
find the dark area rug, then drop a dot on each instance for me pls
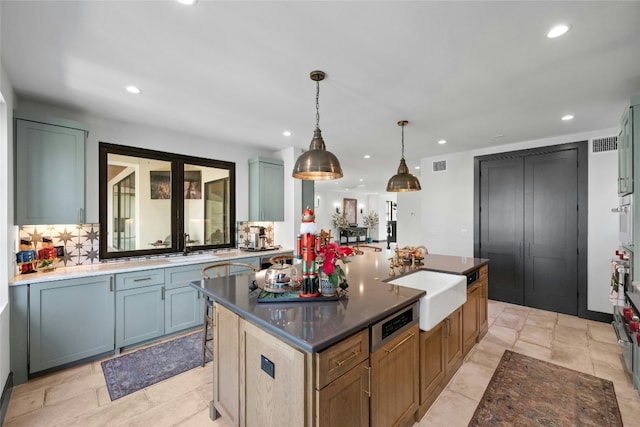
(529, 392)
(142, 368)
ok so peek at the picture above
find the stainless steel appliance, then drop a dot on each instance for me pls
(625, 227)
(393, 325)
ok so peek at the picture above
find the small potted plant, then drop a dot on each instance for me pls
(330, 273)
(370, 221)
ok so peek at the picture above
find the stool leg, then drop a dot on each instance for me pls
(205, 328)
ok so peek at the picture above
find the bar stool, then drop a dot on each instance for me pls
(221, 269)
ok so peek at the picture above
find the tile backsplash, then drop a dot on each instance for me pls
(80, 241)
(82, 245)
(244, 230)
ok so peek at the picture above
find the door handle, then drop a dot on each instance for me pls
(368, 391)
(399, 344)
(342, 362)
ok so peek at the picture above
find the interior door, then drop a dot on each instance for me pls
(501, 226)
(551, 231)
(528, 228)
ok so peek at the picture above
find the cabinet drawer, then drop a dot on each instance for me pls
(138, 279)
(340, 358)
(178, 277)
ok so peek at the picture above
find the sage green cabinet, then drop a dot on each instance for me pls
(266, 189)
(183, 304)
(49, 170)
(70, 320)
(139, 306)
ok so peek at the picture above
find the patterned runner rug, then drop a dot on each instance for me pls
(529, 392)
(137, 370)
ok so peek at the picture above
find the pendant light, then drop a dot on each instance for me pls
(317, 163)
(403, 180)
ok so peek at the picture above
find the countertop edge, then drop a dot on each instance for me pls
(106, 268)
(297, 342)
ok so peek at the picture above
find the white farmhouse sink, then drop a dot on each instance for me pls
(192, 258)
(445, 293)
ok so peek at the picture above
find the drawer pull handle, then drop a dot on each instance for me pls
(368, 368)
(399, 344)
(343, 361)
(142, 280)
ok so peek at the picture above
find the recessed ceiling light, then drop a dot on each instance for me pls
(188, 2)
(286, 133)
(442, 141)
(558, 30)
(133, 89)
(366, 156)
(499, 135)
(567, 117)
(417, 167)
(361, 179)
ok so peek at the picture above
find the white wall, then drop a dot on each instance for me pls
(286, 232)
(447, 208)
(7, 244)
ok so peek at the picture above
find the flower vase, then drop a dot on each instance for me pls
(326, 288)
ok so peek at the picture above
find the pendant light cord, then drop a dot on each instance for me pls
(317, 104)
(403, 141)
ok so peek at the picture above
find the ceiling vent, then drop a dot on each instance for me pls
(600, 145)
(440, 166)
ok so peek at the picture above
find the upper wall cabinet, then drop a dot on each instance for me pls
(49, 170)
(628, 135)
(266, 189)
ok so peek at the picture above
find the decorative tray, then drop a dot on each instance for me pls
(291, 296)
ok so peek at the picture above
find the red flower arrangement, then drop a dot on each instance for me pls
(330, 254)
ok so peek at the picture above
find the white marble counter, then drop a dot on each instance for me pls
(138, 264)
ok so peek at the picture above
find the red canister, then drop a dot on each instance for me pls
(627, 312)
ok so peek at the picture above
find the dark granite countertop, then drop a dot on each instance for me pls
(314, 326)
(452, 264)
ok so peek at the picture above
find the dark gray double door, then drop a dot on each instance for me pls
(527, 217)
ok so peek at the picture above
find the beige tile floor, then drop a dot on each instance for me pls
(78, 396)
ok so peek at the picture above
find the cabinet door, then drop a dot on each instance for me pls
(226, 364)
(483, 303)
(139, 315)
(272, 391)
(394, 383)
(453, 347)
(49, 174)
(470, 324)
(625, 155)
(70, 320)
(183, 309)
(266, 190)
(432, 365)
(345, 402)
(183, 304)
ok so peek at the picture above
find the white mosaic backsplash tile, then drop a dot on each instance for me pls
(81, 242)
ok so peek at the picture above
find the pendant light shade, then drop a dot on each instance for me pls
(317, 163)
(403, 180)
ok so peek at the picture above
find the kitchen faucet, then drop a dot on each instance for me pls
(186, 240)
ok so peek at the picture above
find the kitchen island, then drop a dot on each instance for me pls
(313, 363)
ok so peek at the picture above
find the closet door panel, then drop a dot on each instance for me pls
(551, 231)
(501, 227)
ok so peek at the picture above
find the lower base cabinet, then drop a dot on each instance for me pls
(440, 357)
(258, 379)
(58, 335)
(345, 402)
(394, 383)
(343, 383)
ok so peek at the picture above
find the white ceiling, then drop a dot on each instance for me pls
(238, 72)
